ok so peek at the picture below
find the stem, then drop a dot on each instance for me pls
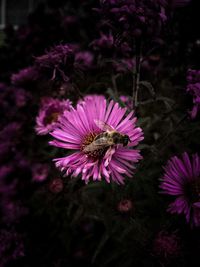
(114, 83)
(136, 80)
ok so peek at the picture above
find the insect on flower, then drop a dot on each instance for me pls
(107, 139)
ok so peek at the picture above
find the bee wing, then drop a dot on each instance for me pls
(103, 126)
(97, 144)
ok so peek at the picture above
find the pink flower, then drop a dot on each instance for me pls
(182, 180)
(77, 131)
(49, 114)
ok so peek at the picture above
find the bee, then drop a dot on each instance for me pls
(107, 139)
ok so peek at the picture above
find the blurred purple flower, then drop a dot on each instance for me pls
(40, 172)
(77, 129)
(8, 139)
(50, 113)
(166, 245)
(25, 76)
(10, 131)
(182, 179)
(21, 97)
(59, 61)
(193, 87)
(11, 246)
(84, 59)
(106, 41)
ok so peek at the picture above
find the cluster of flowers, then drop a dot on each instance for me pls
(77, 129)
(59, 63)
(193, 87)
(133, 18)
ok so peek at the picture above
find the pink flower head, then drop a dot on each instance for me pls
(49, 114)
(182, 179)
(77, 131)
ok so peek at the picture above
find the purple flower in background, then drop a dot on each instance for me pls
(11, 246)
(25, 76)
(8, 138)
(106, 41)
(77, 131)
(40, 172)
(59, 61)
(182, 180)
(132, 19)
(21, 97)
(50, 113)
(166, 245)
(84, 59)
(193, 87)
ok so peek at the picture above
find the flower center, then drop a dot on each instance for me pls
(53, 117)
(193, 191)
(92, 151)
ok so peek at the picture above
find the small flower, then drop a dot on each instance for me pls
(50, 113)
(40, 172)
(125, 206)
(56, 185)
(182, 179)
(193, 78)
(166, 245)
(58, 61)
(78, 129)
